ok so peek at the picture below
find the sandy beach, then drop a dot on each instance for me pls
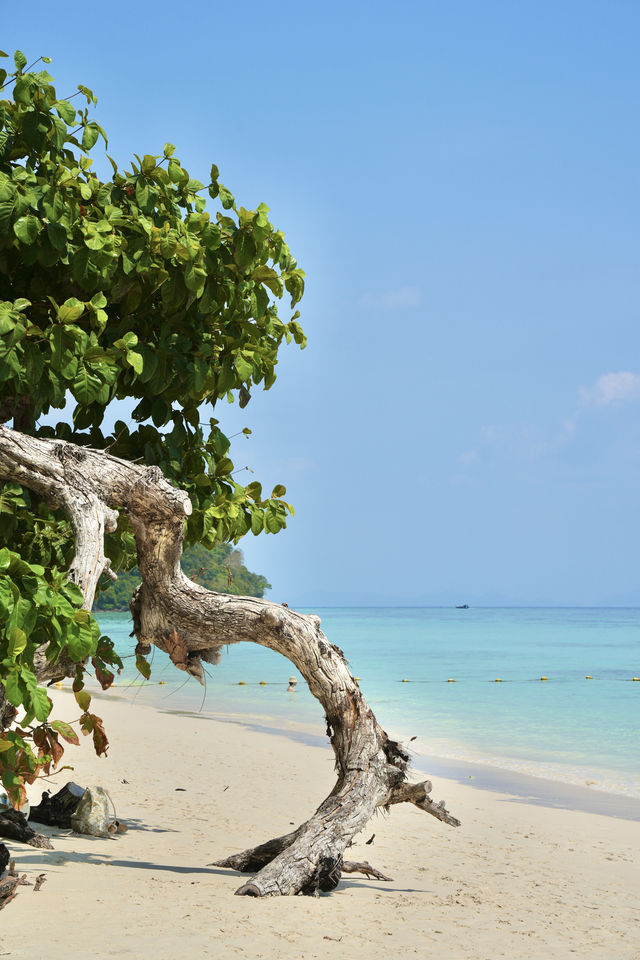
(518, 879)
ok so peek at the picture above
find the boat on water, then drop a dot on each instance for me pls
(462, 606)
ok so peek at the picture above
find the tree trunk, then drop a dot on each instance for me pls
(192, 624)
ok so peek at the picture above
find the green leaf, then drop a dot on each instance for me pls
(40, 703)
(87, 93)
(278, 490)
(83, 698)
(143, 193)
(20, 60)
(176, 173)
(226, 197)
(143, 666)
(58, 133)
(71, 310)
(66, 731)
(14, 688)
(87, 387)
(17, 641)
(27, 228)
(23, 92)
(80, 642)
(57, 235)
(89, 136)
(65, 110)
(243, 367)
(135, 359)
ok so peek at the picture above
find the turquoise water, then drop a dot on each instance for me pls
(567, 728)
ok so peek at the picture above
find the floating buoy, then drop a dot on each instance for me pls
(544, 678)
(450, 680)
(356, 678)
(404, 680)
(241, 683)
(59, 683)
(161, 683)
(588, 677)
(263, 683)
(636, 679)
(498, 680)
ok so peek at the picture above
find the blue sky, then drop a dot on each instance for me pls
(459, 182)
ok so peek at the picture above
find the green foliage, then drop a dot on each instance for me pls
(127, 287)
(221, 569)
(40, 608)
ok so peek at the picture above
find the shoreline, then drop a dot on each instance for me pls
(523, 787)
(543, 790)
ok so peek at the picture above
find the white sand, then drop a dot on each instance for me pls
(516, 880)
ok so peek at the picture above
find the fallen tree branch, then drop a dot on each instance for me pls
(352, 866)
(192, 624)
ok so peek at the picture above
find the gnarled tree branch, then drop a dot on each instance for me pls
(371, 768)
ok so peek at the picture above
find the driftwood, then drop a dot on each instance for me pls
(14, 826)
(9, 884)
(193, 624)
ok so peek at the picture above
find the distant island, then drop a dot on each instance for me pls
(221, 569)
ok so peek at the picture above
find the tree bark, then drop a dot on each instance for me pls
(171, 611)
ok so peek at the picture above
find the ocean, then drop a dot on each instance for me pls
(430, 674)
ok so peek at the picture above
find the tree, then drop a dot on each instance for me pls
(220, 568)
(129, 287)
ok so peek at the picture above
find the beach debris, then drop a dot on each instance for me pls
(40, 879)
(10, 883)
(351, 866)
(181, 789)
(14, 826)
(411, 739)
(370, 840)
(56, 810)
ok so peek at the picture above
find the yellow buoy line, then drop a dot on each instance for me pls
(542, 679)
(280, 683)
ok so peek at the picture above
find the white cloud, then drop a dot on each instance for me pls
(611, 388)
(404, 298)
